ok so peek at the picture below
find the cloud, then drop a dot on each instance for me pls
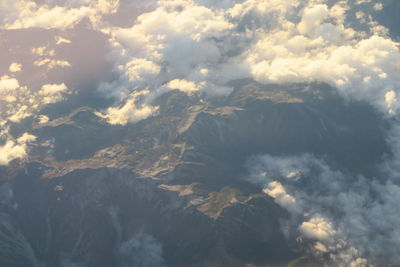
(43, 119)
(275, 190)
(350, 219)
(312, 19)
(22, 14)
(43, 51)
(31, 15)
(169, 35)
(270, 41)
(140, 70)
(60, 40)
(26, 138)
(318, 228)
(15, 149)
(15, 67)
(45, 57)
(173, 47)
(19, 102)
(360, 2)
(141, 250)
(52, 93)
(11, 151)
(391, 101)
(8, 84)
(107, 6)
(51, 63)
(198, 46)
(378, 6)
(184, 85)
(130, 111)
(317, 49)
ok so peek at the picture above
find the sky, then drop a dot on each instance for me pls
(132, 51)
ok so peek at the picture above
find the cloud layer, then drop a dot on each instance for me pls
(199, 46)
(348, 218)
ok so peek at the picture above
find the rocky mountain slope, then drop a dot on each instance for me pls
(171, 190)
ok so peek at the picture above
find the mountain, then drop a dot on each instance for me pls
(173, 189)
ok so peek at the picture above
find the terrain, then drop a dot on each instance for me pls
(172, 190)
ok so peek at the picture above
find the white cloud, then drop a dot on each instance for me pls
(15, 149)
(378, 6)
(28, 14)
(15, 67)
(140, 70)
(177, 34)
(11, 151)
(60, 40)
(312, 19)
(318, 228)
(52, 93)
(45, 57)
(363, 69)
(8, 84)
(42, 119)
(361, 2)
(26, 138)
(22, 14)
(340, 216)
(19, 113)
(172, 47)
(271, 41)
(256, 8)
(130, 111)
(391, 101)
(275, 190)
(107, 6)
(21, 102)
(184, 85)
(42, 51)
(51, 63)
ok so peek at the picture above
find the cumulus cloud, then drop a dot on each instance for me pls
(312, 19)
(272, 41)
(8, 84)
(129, 112)
(317, 49)
(17, 103)
(184, 85)
(15, 149)
(32, 15)
(350, 219)
(46, 57)
(21, 102)
(177, 35)
(51, 63)
(15, 67)
(52, 93)
(22, 14)
(140, 70)
(318, 228)
(173, 47)
(209, 43)
(275, 190)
